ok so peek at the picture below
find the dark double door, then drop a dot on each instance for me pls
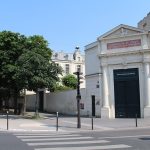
(127, 97)
(93, 105)
(41, 101)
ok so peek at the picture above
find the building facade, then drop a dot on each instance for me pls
(118, 79)
(70, 63)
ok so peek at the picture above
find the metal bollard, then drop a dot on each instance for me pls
(136, 120)
(7, 119)
(92, 122)
(57, 121)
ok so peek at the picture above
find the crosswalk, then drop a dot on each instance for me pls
(66, 141)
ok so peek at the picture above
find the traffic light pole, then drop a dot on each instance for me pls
(78, 115)
(78, 100)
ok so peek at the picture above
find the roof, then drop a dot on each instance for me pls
(119, 27)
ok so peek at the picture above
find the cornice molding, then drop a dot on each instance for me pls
(90, 46)
(123, 36)
(92, 75)
(124, 53)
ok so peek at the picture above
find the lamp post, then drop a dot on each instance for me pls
(78, 97)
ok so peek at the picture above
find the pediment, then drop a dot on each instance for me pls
(121, 30)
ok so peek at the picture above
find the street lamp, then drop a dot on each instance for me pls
(78, 97)
(77, 47)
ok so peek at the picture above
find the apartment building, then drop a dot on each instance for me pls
(70, 62)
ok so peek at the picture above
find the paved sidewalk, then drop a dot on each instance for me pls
(70, 124)
(17, 123)
(48, 123)
(104, 124)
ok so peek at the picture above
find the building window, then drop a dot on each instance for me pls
(66, 57)
(79, 68)
(78, 58)
(67, 68)
(74, 56)
(56, 55)
(144, 25)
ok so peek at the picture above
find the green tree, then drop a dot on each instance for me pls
(12, 46)
(25, 64)
(36, 67)
(70, 81)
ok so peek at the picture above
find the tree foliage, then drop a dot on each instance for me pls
(59, 88)
(12, 46)
(25, 63)
(36, 67)
(70, 81)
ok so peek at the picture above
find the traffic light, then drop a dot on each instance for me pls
(79, 77)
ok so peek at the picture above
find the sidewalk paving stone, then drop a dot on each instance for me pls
(47, 122)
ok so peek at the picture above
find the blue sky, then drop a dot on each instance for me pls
(66, 24)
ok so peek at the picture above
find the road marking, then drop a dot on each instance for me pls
(88, 147)
(50, 133)
(42, 136)
(118, 137)
(68, 143)
(54, 139)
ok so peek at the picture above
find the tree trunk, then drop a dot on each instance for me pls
(37, 104)
(15, 101)
(24, 103)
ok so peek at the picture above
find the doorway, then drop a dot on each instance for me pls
(93, 105)
(41, 101)
(126, 91)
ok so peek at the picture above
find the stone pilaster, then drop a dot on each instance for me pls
(147, 90)
(105, 107)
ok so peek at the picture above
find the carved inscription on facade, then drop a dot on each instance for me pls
(124, 44)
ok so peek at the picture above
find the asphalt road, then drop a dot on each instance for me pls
(138, 139)
(10, 142)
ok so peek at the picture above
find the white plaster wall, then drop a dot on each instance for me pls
(64, 102)
(148, 41)
(92, 89)
(91, 61)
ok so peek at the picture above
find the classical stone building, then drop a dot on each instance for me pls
(118, 79)
(70, 62)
